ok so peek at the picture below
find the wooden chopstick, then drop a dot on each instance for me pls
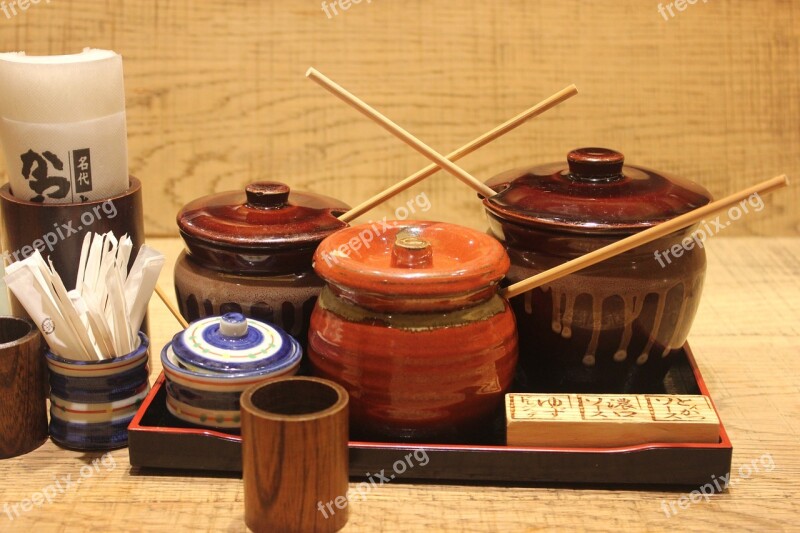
(393, 128)
(475, 144)
(171, 307)
(643, 237)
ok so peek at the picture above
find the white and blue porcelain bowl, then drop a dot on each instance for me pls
(215, 359)
(92, 402)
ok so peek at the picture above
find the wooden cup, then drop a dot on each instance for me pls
(57, 230)
(23, 406)
(294, 455)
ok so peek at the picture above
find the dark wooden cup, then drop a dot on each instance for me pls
(57, 230)
(294, 455)
(23, 406)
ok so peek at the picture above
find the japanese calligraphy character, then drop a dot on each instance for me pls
(553, 403)
(680, 408)
(35, 167)
(622, 407)
(598, 408)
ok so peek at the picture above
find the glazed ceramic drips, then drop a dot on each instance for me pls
(413, 327)
(612, 326)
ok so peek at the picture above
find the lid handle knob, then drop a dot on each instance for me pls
(233, 325)
(595, 165)
(267, 194)
(411, 251)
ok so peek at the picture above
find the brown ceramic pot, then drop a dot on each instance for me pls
(410, 323)
(611, 327)
(250, 252)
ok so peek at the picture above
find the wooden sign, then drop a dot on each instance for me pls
(608, 420)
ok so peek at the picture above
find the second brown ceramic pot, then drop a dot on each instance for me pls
(250, 252)
(615, 326)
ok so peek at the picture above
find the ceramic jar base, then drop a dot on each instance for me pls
(209, 364)
(424, 382)
(92, 402)
(286, 300)
(611, 328)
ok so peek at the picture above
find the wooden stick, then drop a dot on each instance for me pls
(171, 306)
(608, 420)
(475, 144)
(643, 237)
(342, 93)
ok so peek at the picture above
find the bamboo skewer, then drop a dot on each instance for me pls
(475, 144)
(643, 237)
(396, 130)
(171, 307)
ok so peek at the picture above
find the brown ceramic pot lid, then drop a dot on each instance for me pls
(411, 259)
(239, 228)
(594, 191)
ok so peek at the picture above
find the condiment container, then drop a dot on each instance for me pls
(410, 323)
(92, 402)
(250, 252)
(611, 327)
(209, 364)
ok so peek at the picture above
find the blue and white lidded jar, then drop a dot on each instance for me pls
(208, 365)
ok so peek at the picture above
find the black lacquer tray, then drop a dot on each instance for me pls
(158, 440)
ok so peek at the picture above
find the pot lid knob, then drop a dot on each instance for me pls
(233, 325)
(267, 194)
(595, 164)
(411, 251)
(233, 344)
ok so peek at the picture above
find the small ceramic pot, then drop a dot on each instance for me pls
(250, 252)
(208, 365)
(611, 327)
(410, 323)
(92, 402)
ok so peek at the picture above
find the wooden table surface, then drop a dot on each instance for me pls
(747, 342)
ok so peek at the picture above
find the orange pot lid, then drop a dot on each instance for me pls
(411, 258)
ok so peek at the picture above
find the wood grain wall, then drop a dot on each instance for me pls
(217, 97)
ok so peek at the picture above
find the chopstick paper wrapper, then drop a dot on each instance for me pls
(140, 284)
(35, 296)
(101, 317)
(62, 126)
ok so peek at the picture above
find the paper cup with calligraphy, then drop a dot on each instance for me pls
(62, 126)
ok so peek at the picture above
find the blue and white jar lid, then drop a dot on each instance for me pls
(234, 344)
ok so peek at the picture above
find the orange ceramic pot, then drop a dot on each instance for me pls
(411, 324)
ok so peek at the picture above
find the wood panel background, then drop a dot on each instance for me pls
(217, 98)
